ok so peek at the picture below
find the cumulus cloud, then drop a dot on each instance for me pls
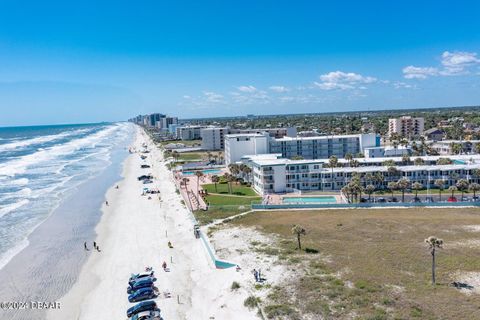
(339, 80)
(212, 97)
(412, 72)
(248, 89)
(279, 89)
(458, 62)
(452, 63)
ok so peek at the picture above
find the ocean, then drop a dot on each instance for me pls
(52, 184)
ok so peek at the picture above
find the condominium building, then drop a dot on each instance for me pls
(239, 145)
(381, 152)
(213, 138)
(285, 175)
(189, 132)
(323, 146)
(406, 126)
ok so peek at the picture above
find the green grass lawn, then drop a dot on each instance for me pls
(373, 263)
(237, 189)
(222, 207)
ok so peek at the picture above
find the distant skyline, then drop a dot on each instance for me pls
(63, 62)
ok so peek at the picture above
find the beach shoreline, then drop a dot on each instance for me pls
(133, 233)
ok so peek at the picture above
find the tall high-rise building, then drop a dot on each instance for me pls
(406, 126)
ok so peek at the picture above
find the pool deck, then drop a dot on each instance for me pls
(278, 198)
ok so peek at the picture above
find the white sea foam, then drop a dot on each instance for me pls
(28, 142)
(9, 208)
(12, 252)
(20, 165)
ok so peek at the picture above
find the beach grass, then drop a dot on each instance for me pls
(374, 263)
(237, 189)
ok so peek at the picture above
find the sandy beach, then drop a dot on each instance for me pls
(133, 233)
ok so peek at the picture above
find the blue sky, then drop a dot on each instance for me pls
(86, 61)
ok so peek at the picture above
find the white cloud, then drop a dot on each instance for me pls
(212, 97)
(279, 89)
(248, 89)
(458, 62)
(402, 85)
(412, 72)
(452, 63)
(339, 80)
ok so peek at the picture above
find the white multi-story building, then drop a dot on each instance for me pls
(188, 132)
(213, 138)
(323, 146)
(381, 152)
(284, 175)
(239, 145)
(406, 126)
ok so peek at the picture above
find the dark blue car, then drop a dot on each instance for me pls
(141, 278)
(142, 306)
(141, 294)
(148, 283)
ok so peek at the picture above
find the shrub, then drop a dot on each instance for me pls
(278, 310)
(235, 285)
(310, 250)
(251, 302)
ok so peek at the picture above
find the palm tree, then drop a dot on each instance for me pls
(389, 163)
(354, 163)
(368, 178)
(209, 156)
(417, 186)
(231, 178)
(349, 158)
(452, 189)
(215, 180)
(299, 231)
(185, 180)
(378, 178)
(444, 161)
(371, 189)
(474, 187)
(403, 185)
(332, 163)
(462, 186)
(198, 174)
(433, 244)
(392, 185)
(440, 184)
(418, 161)
(406, 159)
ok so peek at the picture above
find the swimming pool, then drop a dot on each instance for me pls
(207, 171)
(320, 199)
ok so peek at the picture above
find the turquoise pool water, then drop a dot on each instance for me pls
(320, 199)
(459, 162)
(208, 171)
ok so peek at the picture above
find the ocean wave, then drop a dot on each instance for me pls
(20, 164)
(14, 206)
(12, 252)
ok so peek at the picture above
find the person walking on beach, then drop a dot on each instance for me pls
(255, 274)
(98, 248)
(106, 202)
(85, 245)
(94, 245)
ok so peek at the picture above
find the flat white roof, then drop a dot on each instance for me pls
(268, 161)
(239, 135)
(325, 137)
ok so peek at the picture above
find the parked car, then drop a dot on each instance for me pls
(465, 199)
(144, 177)
(139, 285)
(147, 315)
(147, 181)
(362, 199)
(429, 199)
(138, 276)
(393, 199)
(142, 294)
(452, 199)
(381, 200)
(144, 166)
(142, 306)
(475, 198)
(415, 200)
